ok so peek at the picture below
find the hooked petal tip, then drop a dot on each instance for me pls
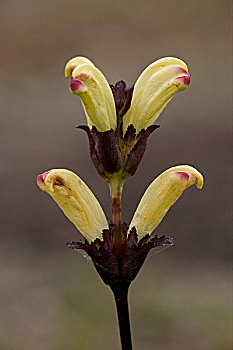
(75, 62)
(190, 178)
(199, 181)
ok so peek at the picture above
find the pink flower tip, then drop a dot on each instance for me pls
(184, 80)
(76, 85)
(41, 180)
(183, 175)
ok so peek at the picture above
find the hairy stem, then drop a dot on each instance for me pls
(120, 291)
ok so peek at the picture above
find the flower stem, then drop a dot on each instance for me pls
(116, 186)
(120, 291)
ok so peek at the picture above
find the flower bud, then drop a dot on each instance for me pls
(155, 87)
(92, 87)
(162, 193)
(76, 200)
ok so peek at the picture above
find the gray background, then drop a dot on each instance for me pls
(51, 297)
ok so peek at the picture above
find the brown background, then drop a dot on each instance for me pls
(51, 297)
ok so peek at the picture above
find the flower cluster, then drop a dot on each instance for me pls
(120, 120)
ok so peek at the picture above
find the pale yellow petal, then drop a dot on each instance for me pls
(155, 87)
(76, 200)
(162, 193)
(96, 95)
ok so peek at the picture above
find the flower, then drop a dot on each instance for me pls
(155, 87)
(92, 87)
(120, 120)
(162, 193)
(76, 200)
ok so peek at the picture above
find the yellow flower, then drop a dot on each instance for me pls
(92, 87)
(76, 200)
(162, 193)
(155, 87)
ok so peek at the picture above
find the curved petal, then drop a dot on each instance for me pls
(75, 62)
(162, 193)
(92, 87)
(155, 87)
(76, 200)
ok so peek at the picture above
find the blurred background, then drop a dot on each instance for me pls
(51, 297)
